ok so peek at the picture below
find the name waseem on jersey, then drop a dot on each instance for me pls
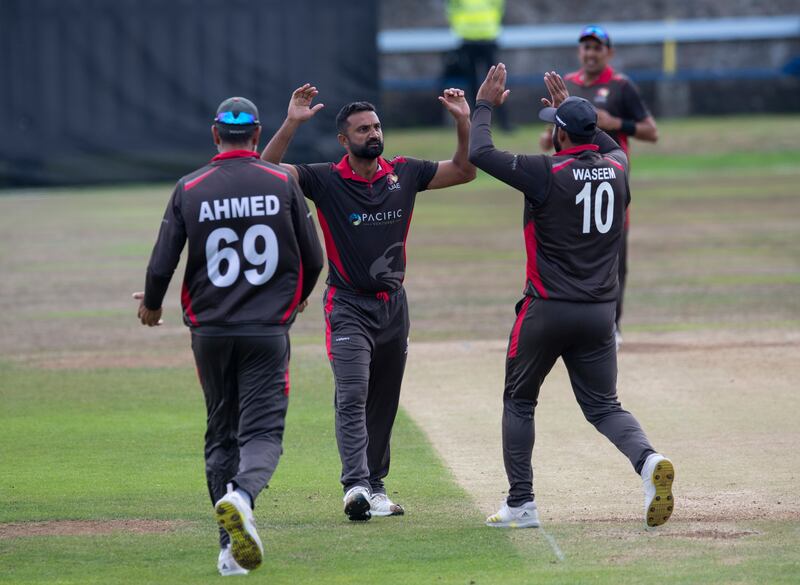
(252, 206)
(594, 174)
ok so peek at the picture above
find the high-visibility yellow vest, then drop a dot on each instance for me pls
(476, 20)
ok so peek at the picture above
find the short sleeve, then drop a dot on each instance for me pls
(311, 179)
(424, 170)
(632, 103)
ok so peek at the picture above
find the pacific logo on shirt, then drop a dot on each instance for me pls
(376, 218)
(601, 96)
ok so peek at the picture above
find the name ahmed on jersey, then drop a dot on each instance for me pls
(233, 207)
(594, 174)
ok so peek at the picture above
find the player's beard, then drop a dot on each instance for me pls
(370, 150)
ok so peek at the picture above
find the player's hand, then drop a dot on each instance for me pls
(147, 316)
(557, 88)
(302, 306)
(300, 108)
(493, 89)
(546, 139)
(606, 121)
(453, 99)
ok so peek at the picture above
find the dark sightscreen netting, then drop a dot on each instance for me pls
(125, 90)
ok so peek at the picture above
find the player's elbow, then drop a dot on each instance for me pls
(650, 133)
(477, 156)
(468, 173)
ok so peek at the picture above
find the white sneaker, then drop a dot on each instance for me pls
(356, 504)
(227, 565)
(524, 516)
(236, 517)
(658, 474)
(381, 505)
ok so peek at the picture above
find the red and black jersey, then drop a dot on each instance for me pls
(611, 91)
(253, 253)
(365, 223)
(575, 205)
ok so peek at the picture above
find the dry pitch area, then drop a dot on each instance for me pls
(709, 366)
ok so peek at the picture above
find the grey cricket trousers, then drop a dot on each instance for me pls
(367, 342)
(245, 381)
(582, 334)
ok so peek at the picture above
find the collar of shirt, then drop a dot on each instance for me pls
(235, 154)
(346, 171)
(604, 77)
(577, 149)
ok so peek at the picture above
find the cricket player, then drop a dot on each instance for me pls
(364, 205)
(621, 112)
(575, 204)
(254, 257)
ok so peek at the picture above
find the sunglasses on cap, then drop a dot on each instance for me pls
(242, 119)
(597, 32)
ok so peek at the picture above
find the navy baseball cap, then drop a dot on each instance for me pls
(598, 33)
(575, 115)
(237, 111)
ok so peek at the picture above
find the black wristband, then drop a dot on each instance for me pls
(628, 126)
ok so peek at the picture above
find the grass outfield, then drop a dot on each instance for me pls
(101, 420)
(126, 444)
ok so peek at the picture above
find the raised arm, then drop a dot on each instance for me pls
(529, 174)
(459, 169)
(558, 93)
(482, 152)
(299, 111)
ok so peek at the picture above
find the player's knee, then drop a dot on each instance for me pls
(597, 413)
(519, 406)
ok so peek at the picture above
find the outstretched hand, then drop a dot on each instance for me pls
(453, 99)
(300, 108)
(557, 88)
(147, 316)
(493, 89)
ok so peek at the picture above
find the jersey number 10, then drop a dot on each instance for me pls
(585, 197)
(264, 263)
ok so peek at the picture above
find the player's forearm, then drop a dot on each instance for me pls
(646, 130)
(312, 267)
(643, 130)
(276, 148)
(166, 252)
(461, 156)
(155, 288)
(480, 135)
(483, 154)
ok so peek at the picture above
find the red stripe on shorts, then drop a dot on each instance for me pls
(514, 345)
(328, 311)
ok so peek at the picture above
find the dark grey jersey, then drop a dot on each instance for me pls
(575, 205)
(365, 223)
(253, 252)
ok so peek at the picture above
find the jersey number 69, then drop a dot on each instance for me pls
(264, 263)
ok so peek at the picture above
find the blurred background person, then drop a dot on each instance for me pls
(477, 23)
(621, 113)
